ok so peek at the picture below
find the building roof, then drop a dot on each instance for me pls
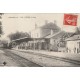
(22, 39)
(26, 39)
(50, 26)
(60, 34)
(73, 38)
(50, 36)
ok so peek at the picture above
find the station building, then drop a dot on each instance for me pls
(47, 37)
(73, 44)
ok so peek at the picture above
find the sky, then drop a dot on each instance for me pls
(26, 22)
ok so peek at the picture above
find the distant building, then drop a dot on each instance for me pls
(57, 40)
(73, 44)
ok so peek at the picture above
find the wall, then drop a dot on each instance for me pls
(36, 33)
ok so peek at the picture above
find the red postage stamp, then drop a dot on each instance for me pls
(70, 19)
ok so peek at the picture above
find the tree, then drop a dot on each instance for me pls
(1, 31)
(18, 35)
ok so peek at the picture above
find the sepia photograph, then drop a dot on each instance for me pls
(39, 40)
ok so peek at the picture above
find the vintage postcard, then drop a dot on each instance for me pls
(40, 40)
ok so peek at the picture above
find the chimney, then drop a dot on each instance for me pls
(52, 32)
